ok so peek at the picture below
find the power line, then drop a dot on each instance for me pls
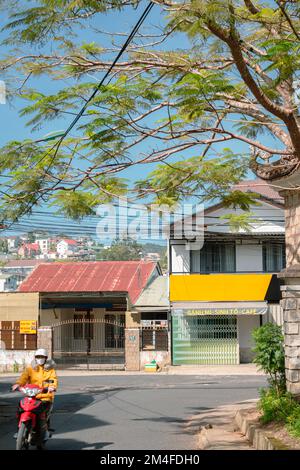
(97, 88)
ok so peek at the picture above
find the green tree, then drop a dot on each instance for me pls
(235, 83)
(3, 246)
(269, 354)
(121, 250)
(31, 237)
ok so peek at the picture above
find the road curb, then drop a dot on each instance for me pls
(257, 436)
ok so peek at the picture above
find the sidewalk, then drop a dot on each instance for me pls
(241, 369)
(216, 429)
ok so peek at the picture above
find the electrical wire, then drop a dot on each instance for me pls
(96, 90)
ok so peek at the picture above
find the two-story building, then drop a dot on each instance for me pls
(220, 292)
(66, 248)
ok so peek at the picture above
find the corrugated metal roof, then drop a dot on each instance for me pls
(155, 294)
(261, 187)
(24, 263)
(90, 276)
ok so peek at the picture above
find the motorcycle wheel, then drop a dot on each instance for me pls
(22, 439)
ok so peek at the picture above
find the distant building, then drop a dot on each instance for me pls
(66, 248)
(44, 244)
(29, 250)
(13, 243)
(152, 257)
(21, 266)
(10, 282)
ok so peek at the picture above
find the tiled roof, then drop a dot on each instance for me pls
(261, 187)
(69, 241)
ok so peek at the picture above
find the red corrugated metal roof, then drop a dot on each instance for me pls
(90, 276)
(19, 263)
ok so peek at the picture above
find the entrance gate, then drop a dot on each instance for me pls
(203, 339)
(91, 343)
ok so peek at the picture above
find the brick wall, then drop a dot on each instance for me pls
(132, 349)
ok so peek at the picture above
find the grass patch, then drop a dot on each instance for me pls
(280, 408)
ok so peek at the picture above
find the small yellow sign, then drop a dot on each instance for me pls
(28, 327)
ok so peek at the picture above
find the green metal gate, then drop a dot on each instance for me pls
(202, 339)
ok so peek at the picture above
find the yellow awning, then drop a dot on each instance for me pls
(219, 287)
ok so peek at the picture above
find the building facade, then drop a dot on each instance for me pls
(66, 248)
(221, 291)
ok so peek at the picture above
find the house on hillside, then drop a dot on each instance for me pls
(66, 248)
(29, 250)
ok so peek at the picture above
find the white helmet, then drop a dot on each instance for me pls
(41, 352)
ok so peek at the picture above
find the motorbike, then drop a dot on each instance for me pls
(33, 422)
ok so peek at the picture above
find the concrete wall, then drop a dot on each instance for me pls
(245, 326)
(274, 314)
(15, 306)
(265, 214)
(249, 257)
(161, 357)
(180, 259)
(14, 361)
(52, 316)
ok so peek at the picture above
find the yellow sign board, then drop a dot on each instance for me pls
(219, 287)
(28, 327)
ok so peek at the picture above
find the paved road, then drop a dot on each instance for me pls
(132, 412)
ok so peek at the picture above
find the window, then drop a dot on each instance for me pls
(154, 338)
(214, 258)
(273, 257)
(154, 332)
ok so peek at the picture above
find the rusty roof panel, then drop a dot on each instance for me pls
(92, 276)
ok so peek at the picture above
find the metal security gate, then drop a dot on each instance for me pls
(203, 339)
(91, 343)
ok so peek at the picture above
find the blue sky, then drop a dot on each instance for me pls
(14, 126)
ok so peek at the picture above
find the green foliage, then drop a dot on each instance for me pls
(280, 408)
(269, 354)
(159, 104)
(277, 407)
(293, 421)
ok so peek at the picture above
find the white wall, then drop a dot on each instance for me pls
(180, 259)
(249, 258)
(14, 361)
(270, 219)
(245, 326)
(274, 315)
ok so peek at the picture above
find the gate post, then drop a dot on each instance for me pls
(44, 339)
(291, 291)
(132, 342)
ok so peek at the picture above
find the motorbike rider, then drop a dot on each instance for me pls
(41, 372)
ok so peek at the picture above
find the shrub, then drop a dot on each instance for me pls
(293, 422)
(269, 354)
(275, 407)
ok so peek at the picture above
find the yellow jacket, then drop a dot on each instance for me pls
(38, 375)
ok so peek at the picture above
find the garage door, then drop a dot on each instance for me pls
(202, 339)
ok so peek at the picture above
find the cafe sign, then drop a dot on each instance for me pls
(222, 311)
(28, 327)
